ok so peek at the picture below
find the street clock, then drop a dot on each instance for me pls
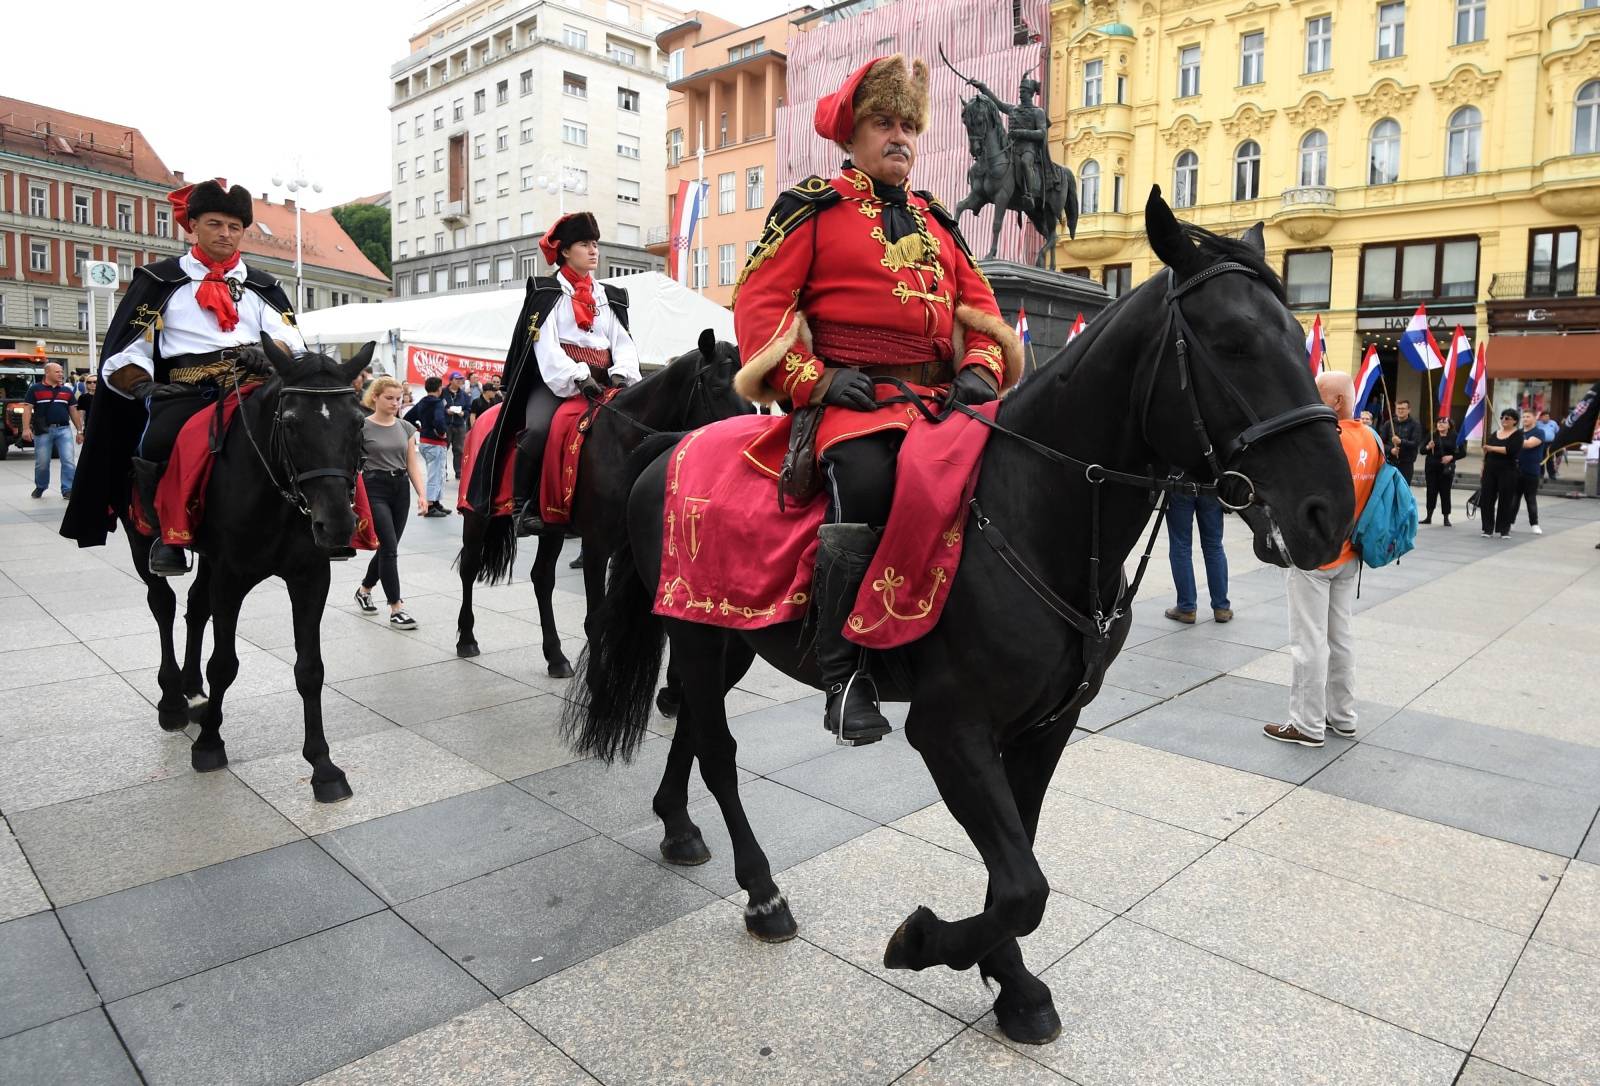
(101, 275)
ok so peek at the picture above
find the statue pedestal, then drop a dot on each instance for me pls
(1051, 299)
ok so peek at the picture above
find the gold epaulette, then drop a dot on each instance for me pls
(792, 208)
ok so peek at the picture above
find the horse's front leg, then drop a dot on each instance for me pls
(308, 595)
(681, 842)
(468, 563)
(228, 590)
(544, 586)
(197, 614)
(172, 710)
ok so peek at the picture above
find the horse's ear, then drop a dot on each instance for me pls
(1256, 238)
(708, 345)
(276, 355)
(1165, 232)
(352, 369)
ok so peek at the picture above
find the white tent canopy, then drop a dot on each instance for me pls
(666, 317)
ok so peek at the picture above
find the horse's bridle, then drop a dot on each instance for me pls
(695, 394)
(292, 492)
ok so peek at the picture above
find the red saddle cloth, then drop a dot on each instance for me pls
(733, 559)
(181, 494)
(558, 476)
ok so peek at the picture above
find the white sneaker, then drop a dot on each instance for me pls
(1538, 530)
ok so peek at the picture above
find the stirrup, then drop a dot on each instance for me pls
(171, 566)
(528, 522)
(835, 726)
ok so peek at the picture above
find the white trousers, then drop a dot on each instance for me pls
(1321, 603)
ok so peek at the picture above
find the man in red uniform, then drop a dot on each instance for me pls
(854, 278)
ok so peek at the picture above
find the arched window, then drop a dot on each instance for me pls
(1463, 141)
(1089, 187)
(1314, 158)
(1247, 171)
(1586, 119)
(1383, 153)
(1185, 179)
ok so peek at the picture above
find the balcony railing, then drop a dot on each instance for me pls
(1308, 196)
(1564, 283)
(658, 235)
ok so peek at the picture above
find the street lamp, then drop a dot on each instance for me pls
(561, 177)
(296, 185)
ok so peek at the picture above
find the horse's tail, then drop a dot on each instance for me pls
(497, 547)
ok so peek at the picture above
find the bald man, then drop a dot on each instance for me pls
(1322, 601)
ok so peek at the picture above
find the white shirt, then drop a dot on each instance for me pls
(561, 371)
(188, 329)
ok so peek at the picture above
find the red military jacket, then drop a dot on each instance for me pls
(823, 259)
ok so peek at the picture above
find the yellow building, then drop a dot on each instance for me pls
(1401, 152)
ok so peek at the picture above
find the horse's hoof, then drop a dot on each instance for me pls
(906, 945)
(1038, 1025)
(172, 720)
(331, 791)
(669, 703)
(208, 759)
(466, 649)
(685, 850)
(771, 921)
(560, 668)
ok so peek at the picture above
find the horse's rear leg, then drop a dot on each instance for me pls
(308, 594)
(468, 563)
(681, 842)
(670, 697)
(209, 752)
(544, 586)
(196, 615)
(172, 708)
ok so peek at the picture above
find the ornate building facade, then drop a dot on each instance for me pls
(1401, 152)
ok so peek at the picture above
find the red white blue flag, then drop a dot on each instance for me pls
(1417, 345)
(1458, 357)
(1477, 397)
(690, 210)
(1077, 326)
(1316, 347)
(1367, 378)
(1022, 325)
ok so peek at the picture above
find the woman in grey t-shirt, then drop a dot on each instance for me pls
(390, 445)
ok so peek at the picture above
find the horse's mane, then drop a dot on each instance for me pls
(1220, 247)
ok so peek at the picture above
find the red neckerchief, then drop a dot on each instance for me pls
(213, 293)
(582, 297)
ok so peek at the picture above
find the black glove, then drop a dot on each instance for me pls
(971, 388)
(617, 380)
(591, 388)
(254, 363)
(150, 389)
(850, 388)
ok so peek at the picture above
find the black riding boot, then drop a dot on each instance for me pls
(165, 559)
(525, 485)
(842, 559)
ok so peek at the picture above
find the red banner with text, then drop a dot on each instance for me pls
(425, 362)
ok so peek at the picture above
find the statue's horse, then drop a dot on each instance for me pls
(993, 180)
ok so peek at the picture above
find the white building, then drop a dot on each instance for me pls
(498, 96)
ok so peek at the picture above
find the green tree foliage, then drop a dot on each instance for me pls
(368, 227)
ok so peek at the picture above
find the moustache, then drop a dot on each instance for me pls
(897, 148)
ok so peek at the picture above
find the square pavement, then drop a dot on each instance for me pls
(491, 910)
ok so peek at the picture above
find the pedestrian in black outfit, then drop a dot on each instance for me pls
(1497, 496)
(1530, 465)
(389, 444)
(1439, 467)
(1405, 435)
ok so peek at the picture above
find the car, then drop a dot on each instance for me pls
(18, 370)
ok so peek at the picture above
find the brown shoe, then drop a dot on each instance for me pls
(1185, 617)
(1222, 614)
(1288, 733)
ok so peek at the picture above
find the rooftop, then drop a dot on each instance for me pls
(71, 139)
(324, 243)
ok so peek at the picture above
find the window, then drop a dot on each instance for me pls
(38, 200)
(125, 266)
(674, 147)
(725, 258)
(438, 241)
(574, 86)
(1470, 18)
(502, 229)
(400, 170)
(1117, 187)
(530, 266)
(622, 54)
(755, 188)
(725, 204)
(459, 275)
(480, 234)
(525, 178)
(1247, 171)
(163, 222)
(422, 246)
(1419, 270)
(1089, 187)
(1122, 90)
(457, 112)
(479, 101)
(480, 190)
(478, 146)
(525, 130)
(80, 257)
(1383, 153)
(1314, 159)
(722, 131)
(627, 234)
(441, 280)
(417, 124)
(1391, 30)
(1319, 44)
(1185, 179)
(438, 160)
(617, 12)
(1463, 140)
(38, 256)
(526, 223)
(502, 269)
(628, 146)
(83, 316)
(422, 283)
(575, 133)
(502, 184)
(627, 100)
(1458, 269)
(627, 191)
(574, 37)
(1552, 263)
(419, 166)
(438, 204)
(502, 92)
(400, 211)
(674, 65)
(1093, 80)
(1118, 279)
(525, 83)
(400, 132)
(1188, 71)
(748, 49)
(700, 256)
(41, 312)
(421, 207)
(1586, 119)
(438, 117)
(1308, 277)
(80, 203)
(1252, 58)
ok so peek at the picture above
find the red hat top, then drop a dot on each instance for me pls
(835, 118)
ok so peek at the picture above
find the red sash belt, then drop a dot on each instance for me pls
(858, 345)
(597, 357)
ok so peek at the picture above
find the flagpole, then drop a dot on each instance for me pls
(1388, 402)
(703, 212)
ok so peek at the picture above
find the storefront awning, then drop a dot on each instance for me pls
(1571, 357)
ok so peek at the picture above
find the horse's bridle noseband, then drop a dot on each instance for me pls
(292, 492)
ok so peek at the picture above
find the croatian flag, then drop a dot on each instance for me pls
(1477, 402)
(1022, 325)
(1367, 378)
(1316, 347)
(1077, 326)
(1417, 345)
(691, 198)
(1460, 354)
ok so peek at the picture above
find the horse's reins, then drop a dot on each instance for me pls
(292, 493)
(695, 391)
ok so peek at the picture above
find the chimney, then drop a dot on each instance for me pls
(288, 204)
(179, 175)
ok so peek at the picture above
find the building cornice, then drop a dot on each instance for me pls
(157, 187)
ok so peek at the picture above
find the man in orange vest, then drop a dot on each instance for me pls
(1322, 601)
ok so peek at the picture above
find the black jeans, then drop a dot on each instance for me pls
(1527, 491)
(860, 476)
(1497, 497)
(167, 415)
(538, 412)
(390, 498)
(1440, 476)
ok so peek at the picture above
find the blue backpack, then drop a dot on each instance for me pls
(1387, 527)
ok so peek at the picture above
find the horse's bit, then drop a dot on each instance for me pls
(292, 492)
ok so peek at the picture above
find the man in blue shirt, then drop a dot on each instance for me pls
(50, 418)
(457, 402)
(1530, 465)
(1547, 430)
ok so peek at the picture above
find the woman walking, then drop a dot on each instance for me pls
(1439, 467)
(1497, 495)
(390, 445)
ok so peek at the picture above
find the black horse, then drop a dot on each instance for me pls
(1205, 351)
(279, 501)
(690, 391)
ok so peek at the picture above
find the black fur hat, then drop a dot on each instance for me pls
(567, 230)
(211, 196)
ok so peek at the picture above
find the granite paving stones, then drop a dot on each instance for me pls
(260, 673)
(271, 724)
(76, 1051)
(1151, 675)
(1590, 852)
(50, 767)
(1205, 652)
(782, 735)
(699, 1001)
(1572, 766)
(1267, 702)
(100, 844)
(438, 690)
(417, 851)
(489, 1046)
(289, 1013)
(1573, 918)
(20, 892)
(1544, 1024)
(373, 651)
(884, 781)
(1111, 704)
(141, 649)
(1491, 881)
(512, 740)
(1478, 1072)
(974, 1060)
(29, 626)
(72, 705)
(1226, 739)
(525, 666)
(1535, 815)
(524, 922)
(40, 978)
(25, 667)
(163, 931)
(1409, 964)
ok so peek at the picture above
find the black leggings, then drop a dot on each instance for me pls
(540, 410)
(389, 496)
(1440, 476)
(860, 476)
(1497, 497)
(1528, 491)
(167, 416)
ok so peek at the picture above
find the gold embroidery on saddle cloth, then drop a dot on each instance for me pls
(887, 587)
(724, 607)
